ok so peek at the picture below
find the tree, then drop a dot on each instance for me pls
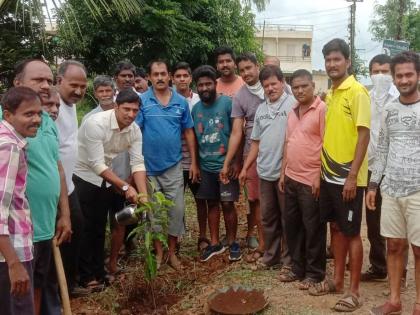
(397, 19)
(171, 29)
(20, 39)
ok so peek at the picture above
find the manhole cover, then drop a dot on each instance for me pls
(237, 300)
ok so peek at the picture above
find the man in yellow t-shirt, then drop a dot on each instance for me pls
(344, 172)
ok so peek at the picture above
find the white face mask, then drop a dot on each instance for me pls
(381, 84)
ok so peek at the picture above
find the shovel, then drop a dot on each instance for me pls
(61, 277)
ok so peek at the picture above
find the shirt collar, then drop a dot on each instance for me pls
(21, 141)
(347, 83)
(153, 97)
(314, 104)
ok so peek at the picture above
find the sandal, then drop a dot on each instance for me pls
(387, 308)
(202, 244)
(253, 257)
(322, 288)
(285, 269)
(348, 303)
(288, 277)
(306, 283)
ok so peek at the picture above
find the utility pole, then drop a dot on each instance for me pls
(263, 35)
(352, 29)
(401, 9)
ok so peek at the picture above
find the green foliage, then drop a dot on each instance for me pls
(21, 37)
(359, 67)
(152, 226)
(171, 29)
(388, 23)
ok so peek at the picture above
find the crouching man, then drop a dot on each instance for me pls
(101, 137)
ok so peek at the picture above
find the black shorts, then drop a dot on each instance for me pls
(347, 215)
(188, 182)
(212, 189)
(41, 262)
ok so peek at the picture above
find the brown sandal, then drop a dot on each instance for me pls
(322, 288)
(288, 277)
(254, 256)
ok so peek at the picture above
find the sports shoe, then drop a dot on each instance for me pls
(235, 252)
(372, 275)
(211, 251)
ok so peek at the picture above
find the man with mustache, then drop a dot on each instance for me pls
(300, 181)
(101, 137)
(46, 187)
(344, 172)
(244, 105)
(124, 74)
(21, 108)
(397, 157)
(212, 126)
(72, 84)
(266, 148)
(228, 83)
(163, 117)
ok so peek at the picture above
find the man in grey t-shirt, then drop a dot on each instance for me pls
(267, 138)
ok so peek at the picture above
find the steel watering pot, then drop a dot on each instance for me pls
(127, 215)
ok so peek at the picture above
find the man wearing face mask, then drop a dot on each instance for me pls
(381, 95)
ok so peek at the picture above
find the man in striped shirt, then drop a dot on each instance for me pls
(22, 112)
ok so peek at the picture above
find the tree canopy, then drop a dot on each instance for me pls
(171, 29)
(398, 20)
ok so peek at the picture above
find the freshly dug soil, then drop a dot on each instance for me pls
(237, 302)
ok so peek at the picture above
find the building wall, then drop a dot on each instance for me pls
(322, 83)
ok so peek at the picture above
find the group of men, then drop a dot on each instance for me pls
(302, 162)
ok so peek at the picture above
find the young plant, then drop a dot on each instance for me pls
(152, 226)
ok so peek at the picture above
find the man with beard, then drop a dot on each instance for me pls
(244, 105)
(46, 187)
(382, 94)
(212, 126)
(163, 117)
(344, 172)
(397, 157)
(21, 108)
(72, 84)
(228, 83)
(101, 137)
(266, 148)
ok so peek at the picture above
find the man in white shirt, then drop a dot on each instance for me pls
(72, 84)
(381, 95)
(101, 137)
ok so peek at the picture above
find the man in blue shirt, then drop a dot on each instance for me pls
(164, 115)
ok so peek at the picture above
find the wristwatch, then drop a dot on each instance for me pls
(125, 188)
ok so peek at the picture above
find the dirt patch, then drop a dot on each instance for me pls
(237, 301)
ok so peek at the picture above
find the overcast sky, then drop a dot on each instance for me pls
(330, 19)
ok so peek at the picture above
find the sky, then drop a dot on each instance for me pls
(330, 19)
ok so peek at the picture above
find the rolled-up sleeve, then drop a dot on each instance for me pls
(135, 151)
(9, 163)
(93, 136)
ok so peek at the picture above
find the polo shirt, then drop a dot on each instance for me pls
(162, 127)
(348, 107)
(304, 142)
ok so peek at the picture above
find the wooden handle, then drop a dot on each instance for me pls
(61, 277)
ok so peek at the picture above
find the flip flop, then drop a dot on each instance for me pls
(254, 256)
(322, 288)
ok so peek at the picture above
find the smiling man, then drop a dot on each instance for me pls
(101, 137)
(21, 108)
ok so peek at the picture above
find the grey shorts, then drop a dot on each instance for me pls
(171, 184)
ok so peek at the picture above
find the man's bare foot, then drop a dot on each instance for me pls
(174, 262)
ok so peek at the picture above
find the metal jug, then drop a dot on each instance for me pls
(127, 215)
